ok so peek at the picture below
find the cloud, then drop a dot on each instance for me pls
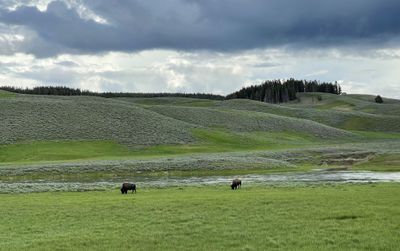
(199, 45)
(220, 73)
(98, 26)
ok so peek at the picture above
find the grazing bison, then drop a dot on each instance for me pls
(128, 186)
(236, 183)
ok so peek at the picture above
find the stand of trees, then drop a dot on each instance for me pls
(271, 91)
(277, 91)
(66, 91)
(49, 90)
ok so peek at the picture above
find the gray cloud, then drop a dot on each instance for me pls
(223, 25)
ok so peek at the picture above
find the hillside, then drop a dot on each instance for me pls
(47, 128)
(347, 112)
(244, 121)
(40, 118)
(30, 118)
(344, 112)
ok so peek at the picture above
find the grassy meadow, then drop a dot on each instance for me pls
(51, 147)
(325, 217)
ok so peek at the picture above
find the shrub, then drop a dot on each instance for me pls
(379, 99)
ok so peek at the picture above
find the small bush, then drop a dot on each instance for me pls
(379, 99)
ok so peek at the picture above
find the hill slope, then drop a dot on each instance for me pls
(47, 128)
(30, 118)
(344, 112)
(243, 121)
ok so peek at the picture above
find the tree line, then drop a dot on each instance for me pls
(277, 91)
(67, 91)
(271, 91)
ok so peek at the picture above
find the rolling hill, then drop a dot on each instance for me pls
(47, 128)
(39, 118)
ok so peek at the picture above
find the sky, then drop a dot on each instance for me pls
(209, 46)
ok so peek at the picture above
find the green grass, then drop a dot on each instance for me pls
(60, 150)
(341, 217)
(210, 141)
(225, 141)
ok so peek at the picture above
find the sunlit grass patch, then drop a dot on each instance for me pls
(337, 105)
(226, 141)
(60, 150)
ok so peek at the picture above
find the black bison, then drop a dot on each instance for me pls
(236, 183)
(128, 186)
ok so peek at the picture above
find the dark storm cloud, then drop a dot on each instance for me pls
(217, 25)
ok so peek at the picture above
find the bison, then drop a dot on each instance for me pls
(128, 186)
(236, 183)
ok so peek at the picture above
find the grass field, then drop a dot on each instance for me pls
(321, 217)
(60, 150)
(69, 144)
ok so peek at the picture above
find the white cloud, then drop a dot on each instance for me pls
(172, 71)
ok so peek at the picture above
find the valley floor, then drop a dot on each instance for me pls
(312, 217)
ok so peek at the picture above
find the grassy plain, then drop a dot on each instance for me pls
(207, 141)
(319, 217)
